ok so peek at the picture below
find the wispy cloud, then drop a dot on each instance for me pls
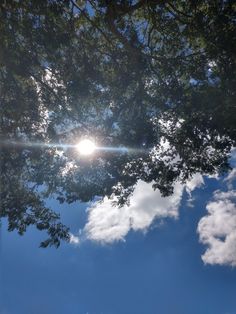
(196, 182)
(74, 239)
(230, 178)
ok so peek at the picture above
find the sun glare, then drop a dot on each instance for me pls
(86, 147)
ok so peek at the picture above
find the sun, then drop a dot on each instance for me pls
(86, 147)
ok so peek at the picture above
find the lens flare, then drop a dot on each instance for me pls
(86, 147)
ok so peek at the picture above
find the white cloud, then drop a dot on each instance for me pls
(74, 239)
(217, 230)
(196, 182)
(107, 223)
(230, 178)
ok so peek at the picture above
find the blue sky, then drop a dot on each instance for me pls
(159, 271)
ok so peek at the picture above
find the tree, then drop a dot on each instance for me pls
(157, 77)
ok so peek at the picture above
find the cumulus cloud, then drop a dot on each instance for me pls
(217, 230)
(107, 223)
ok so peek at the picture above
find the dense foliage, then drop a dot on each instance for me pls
(157, 77)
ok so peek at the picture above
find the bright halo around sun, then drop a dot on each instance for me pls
(86, 147)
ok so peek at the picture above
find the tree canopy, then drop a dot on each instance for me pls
(157, 77)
